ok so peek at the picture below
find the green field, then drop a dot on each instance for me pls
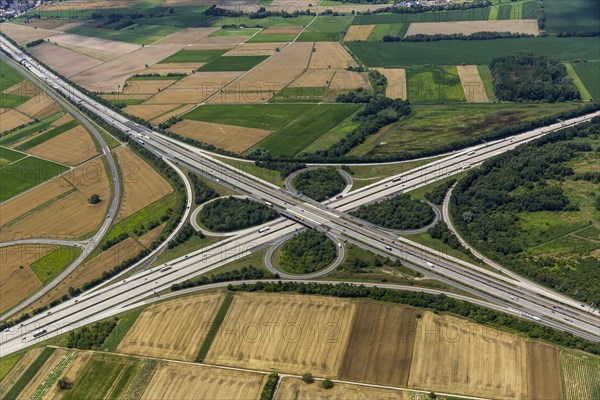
(456, 52)
(589, 73)
(434, 85)
(47, 136)
(8, 100)
(284, 37)
(52, 264)
(138, 34)
(29, 373)
(14, 137)
(9, 76)
(301, 132)
(234, 32)
(334, 135)
(268, 22)
(433, 126)
(8, 156)
(585, 94)
(486, 78)
(475, 14)
(233, 63)
(572, 15)
(104, 376)
(7, 362)
(25, 174)
(187, 56)
(326, 28)
(300, 94)
(116, 335)
(381, 30)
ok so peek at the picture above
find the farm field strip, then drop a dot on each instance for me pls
(529, 27)
(580, 376)
(472, 84)
(52, 377)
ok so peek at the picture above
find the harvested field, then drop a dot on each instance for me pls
(469, 359)
(72, 372)
(293, 388)
(543, 371)
(146, 86)
(111, 76)
(281, 30)
(396, 78)
(39, 107)
(176, 111)
(142, 185)
(72, 216)
(581, 375)
(228, 137)
(164, 330)
(63, 120)
(380, 345)
(102, 49)
(194, 88)
(358, 32)
(330, 55)
(187, 36)
(24, 203)
(54, 25)
(179, 381)
(18, 283)
(149, 111)
(528, 26)
(280, 70)
(24, 34)
(174, 68)
(72, 147)
(24, 88)
(37, 380)
(10, 119)
(66, 62)
(151, 236)
(349, 80)
(314, 78)
(265, 331)
(472, 84)
(17, 371)
(255, 49)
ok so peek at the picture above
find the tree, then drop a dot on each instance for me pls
(95, 199)
(64, 384)
(308, 378)
(327, 384)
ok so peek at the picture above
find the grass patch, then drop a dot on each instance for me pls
(7, 156)
(28, 375)
(283, 37)
(589, 73)
(438, 245)
(233, 63)
(12, 100)
(269, 175)
(326, 28)
(364, 175)
(381, 30)
(7, 363)
(139, 34)
(235, 32)
(585, 95)
(9, 76)
(334, 135)
(25, 174)
(192, 244)
(434, 85)
(301, 132)
(456, 52)
(52, 264)
(118, 333)
(486, 79)
(214, 328)
(47, 135)
(300, 95)
(188, 56)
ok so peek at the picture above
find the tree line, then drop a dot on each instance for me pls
(91, 337)
(202, 192)
(398, 212)
(243, 274)
(184, 235)
(438, 193)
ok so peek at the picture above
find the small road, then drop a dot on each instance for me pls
(341, 254)
(89, 245)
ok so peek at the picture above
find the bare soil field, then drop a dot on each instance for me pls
(102, 49)
(31, 199)
(172, 330)
(175, 68)
(10, 119)
(149, 111)
(358, 32)
(142, 185)
(380, 345)
(455, 356)
(330, 55)
(54, 25)
(194, 382)
(48, 366)
(228, 137)
(241, 97)
(146, 86)
(111, 76)
(18, 279)
(396, 78)
(20, 367)
(314, 78)
(187, 36)
(72, 147)
(23, 34)
(176, 111)
(291, 333)
(349, 80)
(39, 107)
(255, 49)
(294, 388)
(193, 88)
(281, 30)
(543, 371)
(65, 61)
(72, 372)
(280, 70)
(472, 84)
(528, 26)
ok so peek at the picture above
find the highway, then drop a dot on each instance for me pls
(534, 301)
